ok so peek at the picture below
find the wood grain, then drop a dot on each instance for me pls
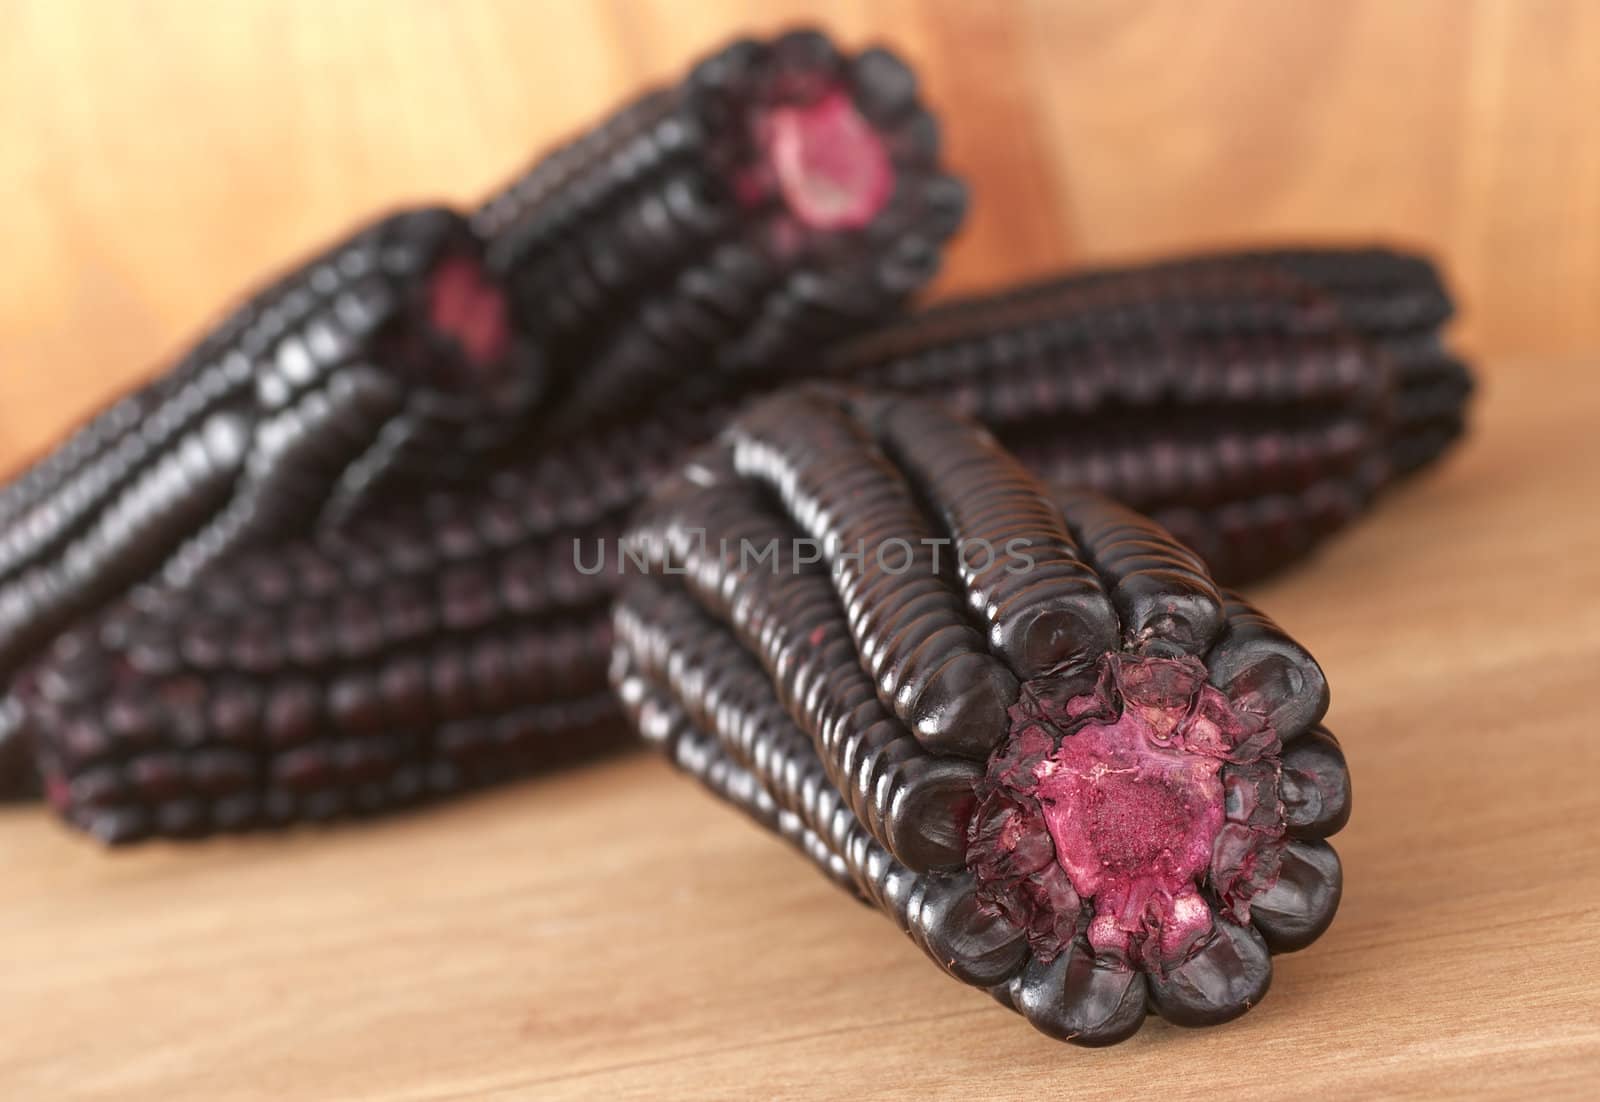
(612, 932)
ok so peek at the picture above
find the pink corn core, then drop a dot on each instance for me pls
(1161, 787)
(465, 306)
(827, 162)
(1133, 822)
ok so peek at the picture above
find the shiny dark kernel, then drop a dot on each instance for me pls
(1257, 664)
(1079, 999)
(1315, 785)
(1296, 910)
(1141, 837)
(1228, 975)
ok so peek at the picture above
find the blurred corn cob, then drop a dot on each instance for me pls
(714, 234)
(1253, 402)
(416, 654)
(1284, 333)
(1092, 785)
(781, 196)
(399, 624)
(388, 358)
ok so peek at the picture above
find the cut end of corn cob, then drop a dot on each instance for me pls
(714, 234)
(1140, 790)
(465, 306)
(824, 159)
(452, 330)
(381, 366)
(820, 138)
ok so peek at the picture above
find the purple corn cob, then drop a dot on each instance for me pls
(1094, 785)
(386, 360)
(1251, 402)
(712, 233)
(1297, 335)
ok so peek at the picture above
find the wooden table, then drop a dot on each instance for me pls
(611, 932)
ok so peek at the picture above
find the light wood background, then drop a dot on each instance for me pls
(612, 932)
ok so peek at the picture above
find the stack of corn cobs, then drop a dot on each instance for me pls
(656, 441)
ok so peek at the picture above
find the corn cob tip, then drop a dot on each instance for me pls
(831, 140)
(455, 331)
(465, 306)
(826, 162)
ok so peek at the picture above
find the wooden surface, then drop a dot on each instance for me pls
(612, 932)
